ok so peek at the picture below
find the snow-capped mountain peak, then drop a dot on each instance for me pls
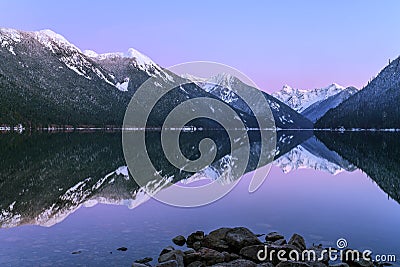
(337, 86)
(333, 89)
(193, 78)
(224, 86)
(139, 60)
(299, 99)
(46, 37)
(221, 80)
(131, 53)
(319, 108)
(225, 80)
(49, 38)
(8, 37)
(287, 88)
(12, 34)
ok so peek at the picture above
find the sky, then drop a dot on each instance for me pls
(305, 44)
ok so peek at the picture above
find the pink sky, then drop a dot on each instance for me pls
(305, 44)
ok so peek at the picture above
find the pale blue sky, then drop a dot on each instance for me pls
(305, 44)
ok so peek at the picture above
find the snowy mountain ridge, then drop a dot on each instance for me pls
(140, 60)
(319, 108)
(70, 55)
(375, 106)
(83, 63)
(223, 86)
(49, 38)
(300, 100)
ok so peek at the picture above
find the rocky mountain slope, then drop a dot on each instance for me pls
(319, 108)
(223, 85)
(300, 100)
(375, 106)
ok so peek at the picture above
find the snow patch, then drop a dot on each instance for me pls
(123, 86)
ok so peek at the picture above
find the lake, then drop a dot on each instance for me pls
(67, 192)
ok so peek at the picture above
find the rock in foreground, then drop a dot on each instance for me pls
(240, 247)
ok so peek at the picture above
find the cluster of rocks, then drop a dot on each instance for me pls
(239, 247)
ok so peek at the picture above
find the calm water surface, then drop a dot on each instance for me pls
(350, 193)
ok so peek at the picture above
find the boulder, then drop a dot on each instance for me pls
(189, 251)
(230, 256)
(265, 264)
(362, 263)
(297, 241)
(210, 256)
(194, 237)
(341, 264)
(383, 264)
(279, 242)
(236, 263)
(273, 236)
(318, 254)
(170, 263)
(355, 258)
(144, 260)
(252, 252)
(196, 245)
(216, 239)
(174, 255)
(166, 250)
(179, 240)
(136, 264)
(292, 264)
(316, 264)
(196, 264)
(240, 237)
(191, 256)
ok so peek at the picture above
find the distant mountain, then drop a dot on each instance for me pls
(221, 86)
(318, 109)
(300, 100)
(375, 106)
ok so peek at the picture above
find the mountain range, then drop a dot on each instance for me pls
(376, 106)
(46, 80)
(313, 104)
(223, 86)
